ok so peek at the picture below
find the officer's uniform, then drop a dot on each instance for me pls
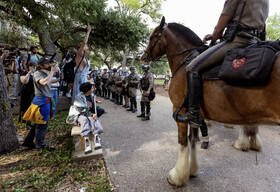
(125, 92)
(104, 79)
(253, 20)
(146, 81)
(132, 90)
(252, 23)
(118, 84)
(112, 81)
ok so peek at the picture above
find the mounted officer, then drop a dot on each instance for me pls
(132, 84)
(245, 21)
(147, 84)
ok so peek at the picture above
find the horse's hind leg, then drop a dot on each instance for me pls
(181, 172)
(248, 139)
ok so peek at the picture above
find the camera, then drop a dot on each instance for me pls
(10, 59)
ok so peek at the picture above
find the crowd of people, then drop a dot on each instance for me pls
(37, 81)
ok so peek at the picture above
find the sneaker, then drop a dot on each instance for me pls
(87, 146)
(68, 95)
(19, 138)
(97, 144)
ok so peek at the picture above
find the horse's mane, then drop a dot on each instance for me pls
(190, 36)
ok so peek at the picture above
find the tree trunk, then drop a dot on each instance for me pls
(124, 59)
(8, 139)
(133, 59)
(46, 41)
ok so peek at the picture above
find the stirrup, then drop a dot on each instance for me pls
(175, 114)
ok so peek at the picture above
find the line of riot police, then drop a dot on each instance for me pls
(121, 88)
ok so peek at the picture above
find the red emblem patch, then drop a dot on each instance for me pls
(238, 63)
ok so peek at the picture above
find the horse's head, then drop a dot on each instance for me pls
(155, 48)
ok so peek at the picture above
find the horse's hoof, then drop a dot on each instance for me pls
(236, 145)
(171, 182)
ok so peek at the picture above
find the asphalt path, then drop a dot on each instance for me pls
(140, 154)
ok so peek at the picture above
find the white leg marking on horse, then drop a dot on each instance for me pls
(256, 143)
(181, 172)
(242, 143)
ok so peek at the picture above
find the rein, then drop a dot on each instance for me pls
(184, 62)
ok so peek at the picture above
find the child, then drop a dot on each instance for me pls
(86, 118)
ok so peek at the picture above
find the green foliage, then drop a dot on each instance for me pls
(159, 67)
(273, 27)
(51, 170)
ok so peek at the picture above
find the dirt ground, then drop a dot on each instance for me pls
(160, 90)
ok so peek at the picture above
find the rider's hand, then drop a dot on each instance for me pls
(207, 38)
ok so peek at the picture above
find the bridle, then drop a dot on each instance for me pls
(149, 56)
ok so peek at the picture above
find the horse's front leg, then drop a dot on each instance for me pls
(181, 172)
(193, 138)
(248, 139)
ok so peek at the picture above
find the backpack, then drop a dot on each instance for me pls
(68, 70)
(29, 56)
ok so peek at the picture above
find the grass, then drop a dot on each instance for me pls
(29, 170)
(159, 81)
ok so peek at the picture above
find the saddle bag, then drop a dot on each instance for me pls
(249, 65)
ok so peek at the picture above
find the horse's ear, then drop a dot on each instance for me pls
(162, 22)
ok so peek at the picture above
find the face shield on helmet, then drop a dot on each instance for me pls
(146, 67)
(120, 72)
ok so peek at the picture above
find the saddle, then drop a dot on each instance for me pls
(251, 65)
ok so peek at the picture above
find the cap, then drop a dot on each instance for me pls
(85, 87)
(44, 61)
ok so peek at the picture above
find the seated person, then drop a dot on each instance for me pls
(86, 118)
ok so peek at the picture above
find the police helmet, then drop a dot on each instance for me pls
(105, 69)
(132, 68)
(146, 67)
(115, 70)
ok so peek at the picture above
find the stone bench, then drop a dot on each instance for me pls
(79, 143)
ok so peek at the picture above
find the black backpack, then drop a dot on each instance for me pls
(68, 70)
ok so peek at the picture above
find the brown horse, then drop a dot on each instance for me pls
(247, 106)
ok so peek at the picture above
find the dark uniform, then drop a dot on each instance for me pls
(118, 83)
(147, 84)
(251, 24)
(104, 80)
(112, 80)
(97, 82)
(132, 84)
(125, 90)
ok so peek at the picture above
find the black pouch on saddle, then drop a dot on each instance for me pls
(248, 66)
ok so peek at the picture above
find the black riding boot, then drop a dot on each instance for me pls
(134, 105)
(195, 92)
(148, 112)
(142, 104)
